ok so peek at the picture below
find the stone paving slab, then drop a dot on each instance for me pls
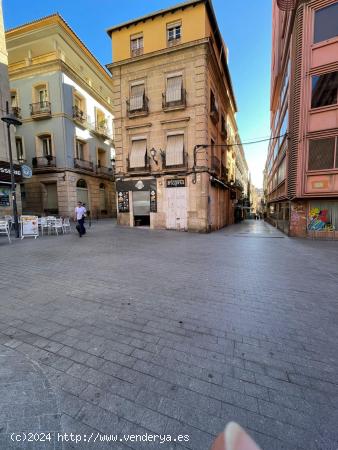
(140, 331)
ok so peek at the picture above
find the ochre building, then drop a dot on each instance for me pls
(174, 110)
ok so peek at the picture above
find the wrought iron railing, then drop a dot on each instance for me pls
(16, 112)
(142, 109)
(39, 162)
(41, 109)
(182, 101)
(79, 115)
(83, 164)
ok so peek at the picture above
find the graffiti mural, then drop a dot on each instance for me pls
(319, 220)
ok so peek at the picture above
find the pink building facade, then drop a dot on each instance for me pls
(301, 172)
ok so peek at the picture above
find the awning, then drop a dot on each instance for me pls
(136, 97)
(138, 153)
(174, 151)
(174, 89)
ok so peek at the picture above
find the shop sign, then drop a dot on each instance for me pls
(26, 171)
(175, 182)
(29, 226)
(5, 171)
(4, 196)
(153, 201)
(123, 201)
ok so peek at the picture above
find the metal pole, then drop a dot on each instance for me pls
(13, 189)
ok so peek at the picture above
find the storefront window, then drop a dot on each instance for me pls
(4, 196)
(323, 216)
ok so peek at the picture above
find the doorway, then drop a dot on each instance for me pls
(82, 193)
(141, 208)
(176, 208)
(52, 199)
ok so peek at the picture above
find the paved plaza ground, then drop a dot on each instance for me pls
(134, 331)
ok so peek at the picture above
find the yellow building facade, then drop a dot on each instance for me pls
(174, 109)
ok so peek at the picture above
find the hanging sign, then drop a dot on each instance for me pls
(29, 226)
(123, 201)
(153, 201)
(26, 171)
(5, 172)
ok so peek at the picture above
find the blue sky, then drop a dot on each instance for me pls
(246, 29)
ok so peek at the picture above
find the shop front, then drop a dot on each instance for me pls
(136, 201)
(5, 188)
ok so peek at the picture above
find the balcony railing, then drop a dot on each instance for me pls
(145, 168)
(181, 102)
(84, 165)
(175, 166)
(215, 165)
(173, 42)
(79, 115)
(102, 128)
(16, 112)
(136, 52)
(42, 162)
(40, 110)
(108, 171)
(138, 110)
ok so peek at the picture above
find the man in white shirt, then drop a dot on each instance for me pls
(80, 214)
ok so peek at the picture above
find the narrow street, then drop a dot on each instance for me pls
(134, 331)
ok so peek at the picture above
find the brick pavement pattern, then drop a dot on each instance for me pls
(139, 331)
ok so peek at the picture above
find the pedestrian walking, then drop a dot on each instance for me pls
(80, 214)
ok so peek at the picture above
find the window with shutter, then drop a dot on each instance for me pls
(136, 97)
(175, 150)
(174, 89)
(138, 154)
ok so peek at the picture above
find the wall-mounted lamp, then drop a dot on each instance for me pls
(153, 153)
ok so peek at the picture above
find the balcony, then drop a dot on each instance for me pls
(44, 162)
(16, 111)
(41, 110)
(215, 165)
(143, 169)
(84, 165)
(105, 171)
(79, 115)
(136, 109)
(166, 166)
(173, 42)
(136, 52)
(174, 104)
(101, 128)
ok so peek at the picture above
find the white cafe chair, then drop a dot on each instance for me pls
(4, 229)
(56, 225)
(66, 225)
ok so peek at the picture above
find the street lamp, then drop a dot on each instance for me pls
(10, 119)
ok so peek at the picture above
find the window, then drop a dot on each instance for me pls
(324, 89)
(138, 153)
(322, 154)
(46, 145)
(136, 45)
(19, 149)
(81, 184)
(174, 32)
(326, 23)
(80, 149)
(103, 202)
(174, 155)
(14, 99)
(223, 126)
(174, 88)
(42, 95)
(137, 93)
(284, 126)
(213, 102)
